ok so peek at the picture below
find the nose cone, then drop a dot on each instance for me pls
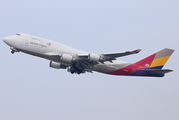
(9, 41)
(6, 39)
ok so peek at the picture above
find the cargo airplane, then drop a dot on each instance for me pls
(76, 61)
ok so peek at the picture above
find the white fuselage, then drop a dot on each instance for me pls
(48, 49)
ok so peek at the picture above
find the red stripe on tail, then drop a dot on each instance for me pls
(146, 62)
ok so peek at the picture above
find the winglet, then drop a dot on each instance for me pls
(137, 51)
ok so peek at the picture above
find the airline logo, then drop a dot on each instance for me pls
(49, 44)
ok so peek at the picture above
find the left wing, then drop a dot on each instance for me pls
(80, 63)
(105, 56)
(121, 54)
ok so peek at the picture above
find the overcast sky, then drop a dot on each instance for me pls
(31, 90)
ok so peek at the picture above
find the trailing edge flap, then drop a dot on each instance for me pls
(157, 71)
(121, 54)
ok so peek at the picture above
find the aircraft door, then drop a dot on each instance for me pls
(41, 40)
(41, 50)
(26, 43)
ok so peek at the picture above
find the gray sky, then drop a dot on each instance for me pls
(31, 90)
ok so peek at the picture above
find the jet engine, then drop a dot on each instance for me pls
(93, 57)
(57, 65)
(66, 58)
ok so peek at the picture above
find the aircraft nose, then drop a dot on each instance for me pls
(7, 40)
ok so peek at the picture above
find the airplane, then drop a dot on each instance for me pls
(77, 61)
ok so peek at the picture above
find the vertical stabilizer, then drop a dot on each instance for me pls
(161, 58)
(156, 60)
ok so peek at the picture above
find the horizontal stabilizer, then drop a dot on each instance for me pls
(157, 71)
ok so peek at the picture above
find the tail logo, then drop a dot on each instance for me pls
(147, 65)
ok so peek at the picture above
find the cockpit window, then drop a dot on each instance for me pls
(18, 34)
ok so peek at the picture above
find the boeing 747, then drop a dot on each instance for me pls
(76, 61)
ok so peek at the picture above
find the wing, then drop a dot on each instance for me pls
(105, 56)
(81, 63)
(121, 54)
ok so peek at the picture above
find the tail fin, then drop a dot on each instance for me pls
(156, 60)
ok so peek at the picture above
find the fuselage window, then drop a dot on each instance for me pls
(18, 34)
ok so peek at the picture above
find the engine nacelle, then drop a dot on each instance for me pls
(57, 65)
(93, 57)
(66, 58)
